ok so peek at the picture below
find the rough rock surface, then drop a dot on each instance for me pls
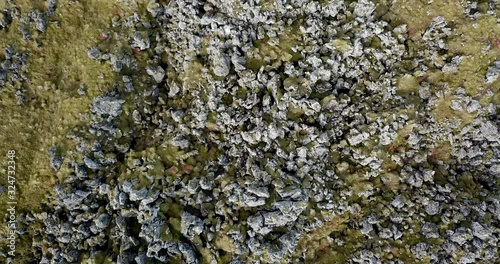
(271, 132)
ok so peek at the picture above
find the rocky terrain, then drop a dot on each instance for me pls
(271, 131)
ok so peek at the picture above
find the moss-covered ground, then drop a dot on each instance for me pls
(58, 65)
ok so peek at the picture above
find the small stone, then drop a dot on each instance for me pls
(71, 256)
(39, 20)
(94, 53)
(460, 236)
(489, 131)
(495, 170)
(259, 191)
(191, 225)
(91, 164)
(474, 105)
(103, 221)
(158, 73)
(430, 230)
(51, 6)
(81, 90)
(364, 8)
(107, 106)
(420, 250)
(256, 222)
(432, 208)
(493, 72)
(4, 20)
(397, 202)
(55, 158)
(358, 138)
(188, 253)
(221, 64)
(480, 231)
(424, 92)
(140, 259)
(140, 41)
(137, 195)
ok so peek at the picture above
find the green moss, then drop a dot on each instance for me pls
(294, 112)
(418, 15)
(440, 178)
(227, 99)
(466, 183)
(169, 154)
(444, 111)
(267, 5)
(56, 69)
(391, 181)
(254, 63)
(192, 76)
(319, 250)
(165, 234)
(340, 44)
(223, 242)
(175, 260)
(26, 5)
(471, 40)
(273, 196)
(407, 85)
(175, 226)
(291, 82)
(241, 93)
(290, 39)
(99, 258)
(171, 209)
(272, 56)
